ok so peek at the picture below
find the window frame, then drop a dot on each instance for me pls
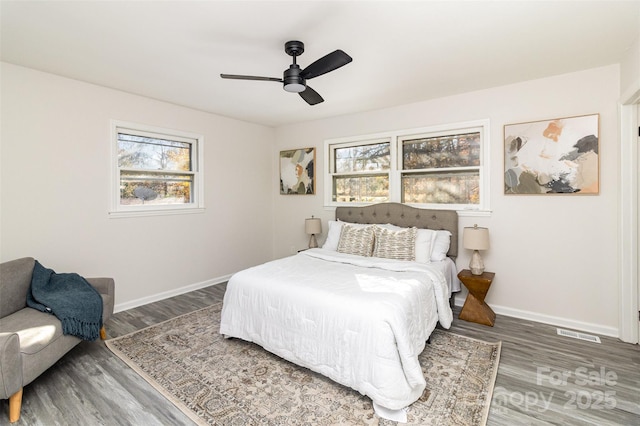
(396, 171)
(360, 173)
(197, 155)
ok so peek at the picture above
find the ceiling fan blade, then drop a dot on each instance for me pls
(311, 96)
(327, 63)
(250, 77)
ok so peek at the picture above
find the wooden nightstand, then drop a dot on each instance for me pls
(475, 309)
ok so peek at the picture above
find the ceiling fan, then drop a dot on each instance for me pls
(295, 79)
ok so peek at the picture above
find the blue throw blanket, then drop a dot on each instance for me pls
(69, 297)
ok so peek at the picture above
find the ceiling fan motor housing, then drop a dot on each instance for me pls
(293, 82)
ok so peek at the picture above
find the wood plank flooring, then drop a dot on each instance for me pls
(543, 378)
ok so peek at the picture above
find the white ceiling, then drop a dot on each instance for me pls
(402, 52)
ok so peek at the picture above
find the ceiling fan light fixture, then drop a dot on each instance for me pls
(294, 87)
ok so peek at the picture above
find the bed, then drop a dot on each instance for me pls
(360, 320)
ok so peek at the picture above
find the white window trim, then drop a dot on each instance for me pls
(482, 126)
(118, 211)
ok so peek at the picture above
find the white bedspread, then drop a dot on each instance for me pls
(360, 321)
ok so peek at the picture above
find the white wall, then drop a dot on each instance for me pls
(630, 69)
(554, 256)
(55, 189)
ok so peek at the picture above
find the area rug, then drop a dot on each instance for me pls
(231, 382)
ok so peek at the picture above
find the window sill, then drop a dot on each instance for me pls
(148, 213)
(474, 213)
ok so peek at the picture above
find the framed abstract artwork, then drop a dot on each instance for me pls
(558, 156)
(298, 171)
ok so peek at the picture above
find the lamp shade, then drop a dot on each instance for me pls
(475, 238)
(312, 226)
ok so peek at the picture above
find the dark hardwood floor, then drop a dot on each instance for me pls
(543, 378)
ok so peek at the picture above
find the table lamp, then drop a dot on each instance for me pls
(312, 227)
(475, 239)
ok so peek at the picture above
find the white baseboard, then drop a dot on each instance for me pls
(550, 319)
(167, 294)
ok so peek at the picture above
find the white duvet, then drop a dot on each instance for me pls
(360, 321)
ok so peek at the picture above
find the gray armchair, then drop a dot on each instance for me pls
(32, 341)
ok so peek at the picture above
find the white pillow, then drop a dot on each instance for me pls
(424, 242)
(440, 246)
(333, 235)
(424, 245)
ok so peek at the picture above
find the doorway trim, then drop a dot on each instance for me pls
(628, 230)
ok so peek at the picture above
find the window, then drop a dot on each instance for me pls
(441, 169)
(361, 172)
(156, 171)
(437, 167)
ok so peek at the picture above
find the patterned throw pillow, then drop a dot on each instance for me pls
(397, 245)
(356, 240)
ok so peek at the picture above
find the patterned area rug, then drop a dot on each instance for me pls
(231, 382)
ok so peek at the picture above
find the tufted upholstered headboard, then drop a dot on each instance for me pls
(405, 216)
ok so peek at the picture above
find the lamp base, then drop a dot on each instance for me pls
(476, 265)
(313, 243)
